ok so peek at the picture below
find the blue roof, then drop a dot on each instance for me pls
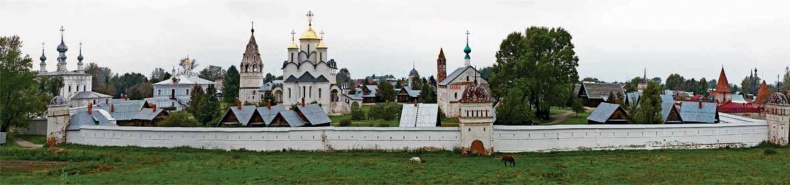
(268, 115)
(602, 113)
(667, 104)
(292, 118)
(699, 112)
(314, 114)
(244, 115)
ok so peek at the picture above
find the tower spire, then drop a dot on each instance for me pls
(467, 50)
(42, 65)
(252, 26)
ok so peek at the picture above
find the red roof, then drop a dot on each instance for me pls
(762, 94)
(722, 85)
(731, 107)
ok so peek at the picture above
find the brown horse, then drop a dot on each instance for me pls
(508, 159)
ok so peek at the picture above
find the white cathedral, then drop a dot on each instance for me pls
(77, 86)
(308, 74)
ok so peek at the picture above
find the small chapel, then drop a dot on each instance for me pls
(451, 87)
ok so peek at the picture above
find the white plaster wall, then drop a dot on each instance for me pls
(505, 138)
(602, 137)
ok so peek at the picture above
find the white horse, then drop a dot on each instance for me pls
(416, 160)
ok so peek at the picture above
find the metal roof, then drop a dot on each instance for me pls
(314, 114)
(603, 112)
(422, 115)
(633, 97)
(89, 95)
(453, 75)
(148, 114)
(738, 98)
(411, 92)
(373, 91)
(269, 114)
(292, 118)
(244, 115)
(123, 109)
(601, 90)
(698, 112)
(99, 117)
(667, 104)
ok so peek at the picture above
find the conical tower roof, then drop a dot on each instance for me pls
(762, 94)
(722, 85)
(251, 54)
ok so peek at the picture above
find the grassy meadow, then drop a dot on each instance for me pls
(133, 165)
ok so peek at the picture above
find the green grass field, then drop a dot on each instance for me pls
(133, 165)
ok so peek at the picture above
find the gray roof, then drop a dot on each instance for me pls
(186, 79)
(307, 77)
(413, 72)
(698, 112)
(148, 114)
(357, 96)
(292, 118)
(422, 115)
(314, 114)
(667, 104)
(89, 95)
(603, 112)
(123, 109)
(269, 114)
(373, 91)
(576, 88)
(601, 90)
(412, 93)
(453, 75)
(99, 117)
(633, 97)
(242, 115)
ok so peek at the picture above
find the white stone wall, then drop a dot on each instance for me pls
(249, 84)
(72, 84)
(505, 138)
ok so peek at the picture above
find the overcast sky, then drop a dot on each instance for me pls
(615, 40)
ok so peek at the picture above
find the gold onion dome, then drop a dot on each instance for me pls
(309, 35)
(321, 45)
(293, 46)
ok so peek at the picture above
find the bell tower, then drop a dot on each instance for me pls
(251, 72)
(441, 65)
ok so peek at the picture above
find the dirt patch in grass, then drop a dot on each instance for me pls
(25, 166)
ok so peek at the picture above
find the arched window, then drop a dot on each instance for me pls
(84, 88)
(159, 92)
(304, 91)
(289, 92)
(78, 88)
(311, 92)
(69, 88)
(467, 78)
(319, 93)
(456, 95)
(187, 91)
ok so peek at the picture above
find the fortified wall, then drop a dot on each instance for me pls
(736, 132)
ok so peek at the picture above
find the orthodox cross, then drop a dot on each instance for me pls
(322, 34)
(467, 36)
(309, 18)
(42, 47)
(80, 48)
(292, 35)
(252, 26)
(61, 32)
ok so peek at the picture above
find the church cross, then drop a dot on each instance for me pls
(293, 34)
(61, 32)
(310, 18)
(322, 34)
(467, 36)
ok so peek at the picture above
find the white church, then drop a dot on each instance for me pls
(77, 87)
(309, 74)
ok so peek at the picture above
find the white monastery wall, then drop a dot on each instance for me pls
(505, 138)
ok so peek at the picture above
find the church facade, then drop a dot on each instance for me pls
(309, 76)
(77, 87)
(451, 87)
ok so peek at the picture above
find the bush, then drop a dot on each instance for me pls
(386, 111)
(345, 123)
(357, 113)
(384, 124)
(179, 119)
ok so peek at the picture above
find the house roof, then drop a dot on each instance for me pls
(698, 112)
(722, 86)
(762, 94)
(422, 115)
(244, 115)
(123, 110)
(601, 90)
(292, 118)
(412, 93)
(633, 97)
(314, 114)
(269, 114)
(89, 95)
(667, 104)
(373, 91)
(733, 107)
(99, 117)
(603, 112)
(148, 114)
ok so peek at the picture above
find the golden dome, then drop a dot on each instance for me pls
(309, 34)
(321, 45)
(293, 46)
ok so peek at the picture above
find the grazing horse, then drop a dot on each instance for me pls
(508, 159)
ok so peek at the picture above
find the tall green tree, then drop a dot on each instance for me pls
(203, 105)
(20, 98)
(50, 84)
(268, 97)
(211, 72)
(427, 94)
(511, 110)
(675, 82)
(212, 112)
(128, 80)
(386, 91)
(525, 60)
(343, 76)
(649, 109)
(230, 85)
